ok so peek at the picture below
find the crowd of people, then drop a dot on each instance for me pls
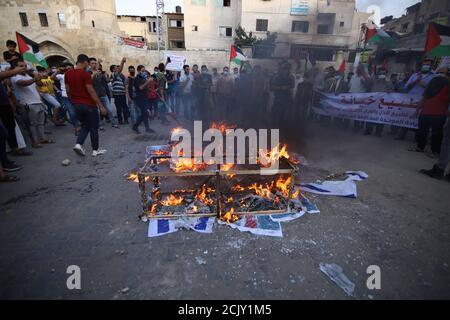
(88, 98)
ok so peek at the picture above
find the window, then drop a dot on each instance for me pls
(300, 26)
(43, 19)
(227, 3)
(177, 44)
(322, 29)
(225, 31)
(152, 26)
(143, 19)
(176, 23)
(93, 24)
(262, 24)
(405, 27)
(194, 28)
(61, 19)
(342, 24)
(23, 19)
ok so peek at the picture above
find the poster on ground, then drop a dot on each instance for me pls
(398, 109)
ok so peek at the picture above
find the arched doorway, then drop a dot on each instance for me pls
(55, 60)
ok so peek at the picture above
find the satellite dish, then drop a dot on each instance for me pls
(375, 12)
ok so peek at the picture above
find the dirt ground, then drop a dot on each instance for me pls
(85, 215)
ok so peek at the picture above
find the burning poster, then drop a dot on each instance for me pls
(161, 227)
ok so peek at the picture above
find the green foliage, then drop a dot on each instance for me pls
(243, 39)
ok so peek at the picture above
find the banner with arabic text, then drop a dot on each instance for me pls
(398, 109)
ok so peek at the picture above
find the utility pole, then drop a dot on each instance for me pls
(160, 32)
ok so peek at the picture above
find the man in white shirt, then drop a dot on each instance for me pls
(186, 81)
(64, 97)
(27, 94)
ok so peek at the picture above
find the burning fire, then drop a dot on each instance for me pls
(268, 157)
(134, 178)
(187, 165)
(229, 217)
(263, 191)
(172, 200)
(222, 127)
(203, 195)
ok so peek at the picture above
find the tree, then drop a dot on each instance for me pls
(243, 39)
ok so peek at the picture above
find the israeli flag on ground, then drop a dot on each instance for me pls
(346, 188)
(160, 227)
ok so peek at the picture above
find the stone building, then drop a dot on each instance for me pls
(65, 28)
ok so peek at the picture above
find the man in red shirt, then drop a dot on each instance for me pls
(433, 113)
(81, 92)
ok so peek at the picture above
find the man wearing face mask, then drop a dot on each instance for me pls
(224, 90)
(130, 90)
(379, 85)
(141, 83)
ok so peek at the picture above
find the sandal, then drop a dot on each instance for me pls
(7, 178)
(416, 150)
(47, 141)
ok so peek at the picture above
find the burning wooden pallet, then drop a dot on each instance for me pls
(186, 188)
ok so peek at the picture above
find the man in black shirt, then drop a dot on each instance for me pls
(141, 83)
(282, 85)
(11, 54)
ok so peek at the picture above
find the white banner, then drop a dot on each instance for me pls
(176, 62)
(398, 109)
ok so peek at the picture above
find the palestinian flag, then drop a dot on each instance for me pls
(438, 40)
(30, 51)
(236, 55)
(342, 67)
(378, 35)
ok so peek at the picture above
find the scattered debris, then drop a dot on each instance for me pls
(125, 290)
(200, 260)
(66, 162)
(336, 274)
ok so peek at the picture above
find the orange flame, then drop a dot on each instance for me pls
(222, 127)
(203, 195)
(229, 217)
(172, 200)
(135, 178)
(187, 165)
(264, 191)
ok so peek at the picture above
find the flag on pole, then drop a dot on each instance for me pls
(30, 51)
(378, 35)
(236, 55)
(438, 40)
(342, 67)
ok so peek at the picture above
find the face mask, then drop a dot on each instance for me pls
(425, 69)
(225, 73)
(133, 73)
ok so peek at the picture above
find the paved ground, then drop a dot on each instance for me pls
(85, 215)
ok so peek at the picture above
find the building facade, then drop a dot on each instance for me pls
(65, 28)
(140, 28)
(322, 27)
(174, 27)
(410, 31)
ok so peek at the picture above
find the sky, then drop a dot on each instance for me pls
(148, 7)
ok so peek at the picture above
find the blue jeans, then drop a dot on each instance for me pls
(71, 110)
(186, 105)
(89, 124)
(108, 106)
(133, 110)
(141, 114)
